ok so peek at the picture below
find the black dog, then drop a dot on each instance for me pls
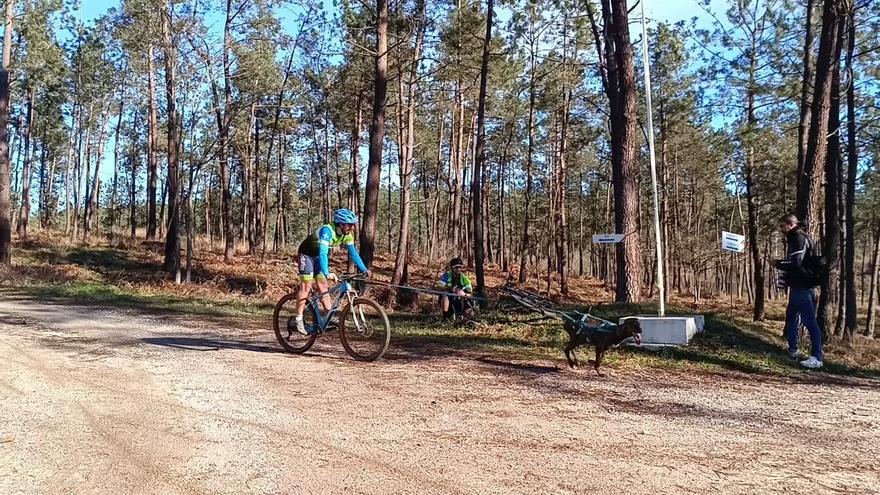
(601, 339)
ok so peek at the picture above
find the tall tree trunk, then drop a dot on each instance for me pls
(433, 227)
(826, 63)
(114, 194)
(78, 172)
(132, 192)
(206, 191)
(872, 294)
(172, 238)
(68, 169)
(24, 213)
(533, 71)
(152, 149)
(354, 195)
(832, 184)
(754, 241)
(279, 200)
(852, 170)
(163, 222)
(625, 171)
(377, 136)
(502, 249)
(42, 196)
(223, 120)
(5, 209)
(92, 202)
(252, 183)
(806, 84)
(560, 214)
(455, 228)
(272, 139)
(408, 143)
(476, 186)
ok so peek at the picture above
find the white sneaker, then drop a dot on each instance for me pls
(811, 363)
(300, 326)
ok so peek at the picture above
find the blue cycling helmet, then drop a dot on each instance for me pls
(345, 216)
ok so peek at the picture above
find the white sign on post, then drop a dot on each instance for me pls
(733, 242)
(607, 238)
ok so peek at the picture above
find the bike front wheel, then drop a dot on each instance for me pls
(364, 330)
(284, 323)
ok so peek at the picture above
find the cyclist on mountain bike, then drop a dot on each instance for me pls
(455, 282)
(314, 266)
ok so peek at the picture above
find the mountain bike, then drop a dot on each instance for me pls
(363, 326)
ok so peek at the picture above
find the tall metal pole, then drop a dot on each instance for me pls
(657, 237)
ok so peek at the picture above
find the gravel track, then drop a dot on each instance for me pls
(108, 401)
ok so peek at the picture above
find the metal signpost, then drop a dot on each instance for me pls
(735, 244)
(657, 238)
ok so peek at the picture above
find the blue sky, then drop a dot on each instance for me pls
(666, 10)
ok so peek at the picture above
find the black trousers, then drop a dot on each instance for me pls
(457, 306)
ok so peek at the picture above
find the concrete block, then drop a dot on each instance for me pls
(666, 330)
(699, 320)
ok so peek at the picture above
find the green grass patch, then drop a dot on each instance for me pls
(727, 344)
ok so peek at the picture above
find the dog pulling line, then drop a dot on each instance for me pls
(418, 289)
(521, 297)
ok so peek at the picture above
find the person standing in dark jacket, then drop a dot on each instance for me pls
(801, 285)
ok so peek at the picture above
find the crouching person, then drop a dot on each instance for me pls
(455, 282)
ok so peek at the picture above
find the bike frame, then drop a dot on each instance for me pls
(340, 292)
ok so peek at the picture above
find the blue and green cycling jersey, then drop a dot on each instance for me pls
(318, 244)
(450, 281)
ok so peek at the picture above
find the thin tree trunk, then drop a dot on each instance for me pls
(114, 194)
(163, 219)
(78, 174)
(806, 83)
(560, 214)
(223, 122)
(754, 249)
(152, 149)
(408, 143)
(172, 238)
(872, 293)
(377, 136)
(502, 185)
(24, 212)
(852, 169)
(433, 226)
(279, 200)
(529, 154)
(92, 204)
(252, 158)
(43, 196)
(68, 169)
(5, 207)
(476, 186)
(132, 195)
(354, 196)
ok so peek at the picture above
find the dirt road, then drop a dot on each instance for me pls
(109, 401)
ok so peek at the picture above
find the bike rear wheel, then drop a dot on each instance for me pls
(364, 330)
(284, 323)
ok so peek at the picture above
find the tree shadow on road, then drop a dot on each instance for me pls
(209, 344)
